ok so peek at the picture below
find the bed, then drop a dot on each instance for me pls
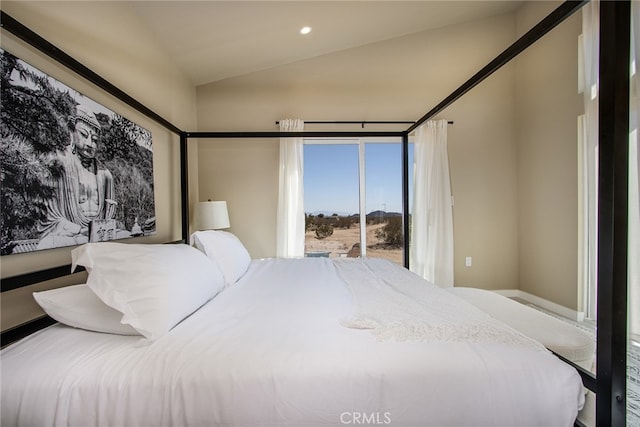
(201, 335)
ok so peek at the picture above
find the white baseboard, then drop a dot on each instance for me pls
(541, 302)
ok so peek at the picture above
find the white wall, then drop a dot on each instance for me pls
(107, 38)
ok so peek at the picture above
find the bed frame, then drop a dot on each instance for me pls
(609, 383)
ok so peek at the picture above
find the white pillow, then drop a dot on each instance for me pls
(226, 250)
(154, 286)
(79, 307)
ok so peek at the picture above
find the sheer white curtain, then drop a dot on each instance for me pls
(588, 151)
(634, 178)
(290, 221)
(431, 241)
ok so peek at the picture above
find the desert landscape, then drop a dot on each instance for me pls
(342, 240)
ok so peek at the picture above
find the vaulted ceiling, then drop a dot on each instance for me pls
(214, 40)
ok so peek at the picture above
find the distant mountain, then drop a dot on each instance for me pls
(382, 214)
(329, 213)
(374, 214)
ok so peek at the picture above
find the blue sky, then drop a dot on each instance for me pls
(331, 178)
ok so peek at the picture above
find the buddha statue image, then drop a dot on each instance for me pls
(83, 190)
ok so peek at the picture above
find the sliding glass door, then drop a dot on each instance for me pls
(353, 198)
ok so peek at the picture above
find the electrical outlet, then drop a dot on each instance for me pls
(468, 261)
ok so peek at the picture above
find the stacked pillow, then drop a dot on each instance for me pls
(135, 289)
(226, 250)
(80, 307)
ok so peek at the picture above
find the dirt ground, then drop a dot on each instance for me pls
(342, 240)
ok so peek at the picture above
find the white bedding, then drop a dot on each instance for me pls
(281, 348)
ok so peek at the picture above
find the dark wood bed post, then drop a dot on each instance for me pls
(613, 152)
(184, 186)
(406, 214)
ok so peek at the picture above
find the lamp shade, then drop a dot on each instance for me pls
(212, 215)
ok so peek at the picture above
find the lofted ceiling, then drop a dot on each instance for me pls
(215, 40)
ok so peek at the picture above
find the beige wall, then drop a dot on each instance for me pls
(106, 37)
(548, 105)
(398, 79)
(244, 172)
(482, 156)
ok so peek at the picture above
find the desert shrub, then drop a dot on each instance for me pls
(391, 233)
(324, 230)
(309, 222)
(344, 222)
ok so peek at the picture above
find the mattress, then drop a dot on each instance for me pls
(561, 337)
(303, 342)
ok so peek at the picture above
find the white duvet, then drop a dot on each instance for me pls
(298, 343)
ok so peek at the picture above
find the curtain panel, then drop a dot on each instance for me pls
(588, 152)
(431, 242)
(290, 219)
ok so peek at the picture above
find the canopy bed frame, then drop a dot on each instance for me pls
(609, 383)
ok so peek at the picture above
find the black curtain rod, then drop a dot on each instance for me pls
(302, 134)
(360, 122)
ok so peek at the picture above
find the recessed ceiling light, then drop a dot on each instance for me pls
(305, 30)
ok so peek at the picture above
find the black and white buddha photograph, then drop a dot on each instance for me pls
(72, 171)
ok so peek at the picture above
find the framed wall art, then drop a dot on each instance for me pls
(72, 171)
